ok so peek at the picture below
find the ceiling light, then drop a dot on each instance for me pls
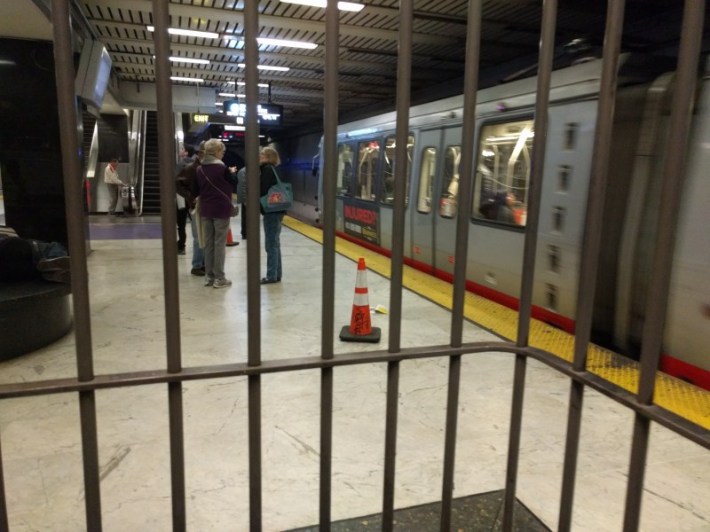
(284, 42)
(227, 94)
(265, 85)
(189, 33)
(176, 59)
(267, 67)
(191, 80)
(343, 6)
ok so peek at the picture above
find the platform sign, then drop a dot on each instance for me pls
(362, 220)
(270, 114)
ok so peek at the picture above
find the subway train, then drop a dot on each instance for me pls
(502, 161)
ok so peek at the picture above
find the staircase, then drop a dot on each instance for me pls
(88, 125)
(151, 171)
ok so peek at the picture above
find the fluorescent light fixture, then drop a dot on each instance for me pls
(343, 6)
(176, 59)
(189, 33)
(267, 67)
(283, 42)
(218, 103)
(227, 94)
(190, 80)
(265, 85)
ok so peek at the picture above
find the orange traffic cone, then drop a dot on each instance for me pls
(230, 240)
(360, 328)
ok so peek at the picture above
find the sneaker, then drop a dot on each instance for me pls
(200, 272)
(209, 281)
(222, 283)
(58, 263)
(181, 251)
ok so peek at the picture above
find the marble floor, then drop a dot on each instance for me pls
(41, 445)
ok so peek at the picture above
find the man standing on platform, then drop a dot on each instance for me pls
(114, 184)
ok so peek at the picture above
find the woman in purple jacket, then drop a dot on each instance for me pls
(215, 184)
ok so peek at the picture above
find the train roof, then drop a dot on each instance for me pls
(578, 81)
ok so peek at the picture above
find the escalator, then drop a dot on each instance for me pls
(151, 169)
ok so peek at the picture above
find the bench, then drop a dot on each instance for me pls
(33, 314)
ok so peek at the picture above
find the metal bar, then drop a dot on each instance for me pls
(329, 172)
(547, 47)
(67, 112)
(168, 218)
(404, 77)
(4, 523)
(590, 248)
(390, 446)
(473, 48)
(401, 169)
(657, 301)
(251, 78)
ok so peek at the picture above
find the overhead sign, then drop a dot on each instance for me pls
(269, 113)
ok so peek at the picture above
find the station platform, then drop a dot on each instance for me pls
(41, 443)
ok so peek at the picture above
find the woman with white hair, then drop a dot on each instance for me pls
(215, 184)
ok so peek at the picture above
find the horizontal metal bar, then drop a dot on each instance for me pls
(655, 413)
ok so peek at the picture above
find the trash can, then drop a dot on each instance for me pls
(128, 199)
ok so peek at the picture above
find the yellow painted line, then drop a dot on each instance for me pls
(683, 399)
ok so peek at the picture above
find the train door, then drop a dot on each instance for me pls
(433, 219)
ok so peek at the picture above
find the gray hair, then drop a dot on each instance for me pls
(214, 147)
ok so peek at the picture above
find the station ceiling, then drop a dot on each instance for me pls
(368, 45)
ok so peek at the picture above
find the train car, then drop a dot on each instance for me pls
(502, 161)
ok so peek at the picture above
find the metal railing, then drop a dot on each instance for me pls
(87, 383)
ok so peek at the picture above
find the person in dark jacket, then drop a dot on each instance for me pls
(215, 184)
(187, 155)
(186, 180)
(268, 160)
(26, 259)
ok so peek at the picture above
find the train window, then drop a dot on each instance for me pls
(345, 169)
(551, 296)
(426, 180)
(448, 204)
(563, 178)
(503, 172)
(388, 171)
(558, 218)
(570, 140)
(554, 257)
(368, 156)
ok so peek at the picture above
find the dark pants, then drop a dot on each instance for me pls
(181, 224)
(19, 257)
(244, 220)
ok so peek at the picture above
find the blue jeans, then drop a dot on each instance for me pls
(198, 255)
(215, 233)
(272, 244)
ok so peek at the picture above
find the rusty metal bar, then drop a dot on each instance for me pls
(329, 172)
(4, 524)
(67, 111)
(657, 301)
(547, 47)
(473, 49)
(590, 249)
(168, 218)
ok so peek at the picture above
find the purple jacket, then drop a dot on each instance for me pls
(215, 198)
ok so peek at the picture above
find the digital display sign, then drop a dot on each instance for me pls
(269, 113)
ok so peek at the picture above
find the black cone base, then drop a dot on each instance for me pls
(347, 336)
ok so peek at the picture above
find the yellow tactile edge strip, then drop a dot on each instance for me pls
(674, 395)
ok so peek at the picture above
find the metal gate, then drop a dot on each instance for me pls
(87, 383)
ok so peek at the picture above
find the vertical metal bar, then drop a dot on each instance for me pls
(329, 172)
(390, 446)
(590, 248)
(67, 111)
(4, 524)
(672, 189)
(166, 157)
(547, 45)
(404, 76)
(462, 229)
(251, 78)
